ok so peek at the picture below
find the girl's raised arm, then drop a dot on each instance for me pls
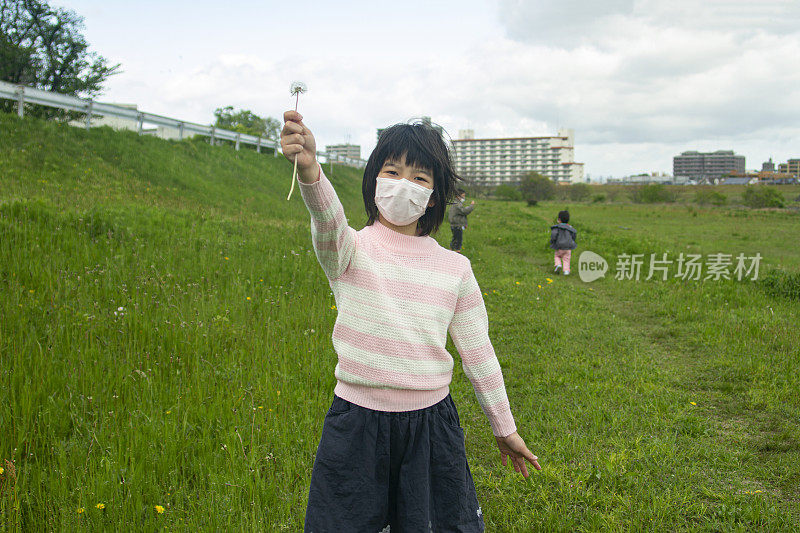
(333, 239)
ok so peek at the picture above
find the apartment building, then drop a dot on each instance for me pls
(792, 166)
(353, 151)
(707, 166)
(506, 160)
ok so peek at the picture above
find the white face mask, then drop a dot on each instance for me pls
(400, 201)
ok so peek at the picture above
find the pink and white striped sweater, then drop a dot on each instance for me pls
(397, 298)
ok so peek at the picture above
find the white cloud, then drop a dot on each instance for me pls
(655, 76)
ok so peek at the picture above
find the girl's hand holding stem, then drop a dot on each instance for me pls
(513, 446)
(298, 141)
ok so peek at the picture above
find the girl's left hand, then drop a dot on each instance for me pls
(513, 446)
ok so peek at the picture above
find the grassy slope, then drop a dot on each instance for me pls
(199, 399)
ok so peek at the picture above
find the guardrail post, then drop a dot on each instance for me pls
(89, 114)
(140, 123)
(213, 133)
(238, 136)
(258, 146)
(21, 101)
(180, 131)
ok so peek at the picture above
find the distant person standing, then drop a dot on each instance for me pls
(458, 220)
(563, 239)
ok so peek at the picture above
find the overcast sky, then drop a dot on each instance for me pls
(638, 80)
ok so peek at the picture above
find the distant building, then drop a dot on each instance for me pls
(645, 179)
(768, 166)
(116, 123)
(739, 180)
(506, 160)
(119, 123)
(790, 167)
(352, 151)
(707, 166)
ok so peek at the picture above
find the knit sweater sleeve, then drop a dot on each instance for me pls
(333, 240)
(469, 330)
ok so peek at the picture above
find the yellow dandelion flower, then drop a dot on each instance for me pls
(159, 509)
(758, 492)
(539, 286)
(31, 290)
(270, 410)
(486, 294)
(226, 258)
(1, 470)
(693, 403)
(333, 307)
(260, 406)
(549, 280)
(168, 412)
(101, 506)
(517, 282)
(279, 393)
(261, 280)
(80, 510)
(248, 297)
(591, 289)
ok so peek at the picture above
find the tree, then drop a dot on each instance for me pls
(506, 191)
(43, 47)
(579, 192)
(535, 188)
(758, 196)
(653, 193)
(245, 121)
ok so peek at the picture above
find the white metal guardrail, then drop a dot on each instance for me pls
(28, 95)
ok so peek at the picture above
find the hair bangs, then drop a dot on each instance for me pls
(406, 143)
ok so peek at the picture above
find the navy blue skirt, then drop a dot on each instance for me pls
(378, 471)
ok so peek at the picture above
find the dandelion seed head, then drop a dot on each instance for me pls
(298, 87)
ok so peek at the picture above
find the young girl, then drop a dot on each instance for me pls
(392, 454)
(563, 239)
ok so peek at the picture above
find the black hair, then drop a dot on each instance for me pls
(422, 146)
(563, 216)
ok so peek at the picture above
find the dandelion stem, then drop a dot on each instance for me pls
(294, 170)
(294, 177)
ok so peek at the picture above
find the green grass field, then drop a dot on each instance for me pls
(165, 341)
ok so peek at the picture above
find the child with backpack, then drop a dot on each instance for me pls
(563, 239)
